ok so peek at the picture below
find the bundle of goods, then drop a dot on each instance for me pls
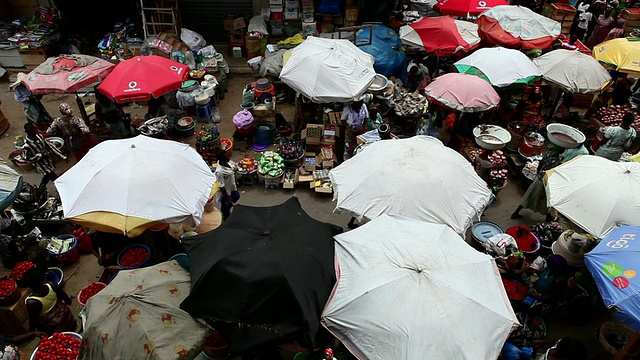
(530, 170)
(208, 135)
(408, 104)
(498, 177)
(20, 268)
(59, 346)
(30, 198)
(526, 240)
(247, 165)
(271, 164)
(515, 290)
(290, 176)
(547, 232)
(489, 159)
(321, 178)
(291, 149)
(497, 158)
(326, 152)
(59, 245)
(613, 114)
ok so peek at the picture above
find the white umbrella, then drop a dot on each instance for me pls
(408, 289)
(573, 71)
(127, 185)
(416, 177)
(500, 66)
(595, 193)
(328, 70)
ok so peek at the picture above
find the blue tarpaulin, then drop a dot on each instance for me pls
(386, 49)
(615, 267)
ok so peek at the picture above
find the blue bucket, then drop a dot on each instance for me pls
(264, 133)
(145, 263)
(483, 230)
(182, 259)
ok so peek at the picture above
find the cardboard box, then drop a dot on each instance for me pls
(276, 2)
(326, 164)
(239, 24)
(4, 123)
(334, 117)
(292, 4)
(291, 14)
(313, 134)
(351, 14)
(310, 161)
(33, 57)
(308, 6)
(291, 185)
(237, 52)
(228, 23)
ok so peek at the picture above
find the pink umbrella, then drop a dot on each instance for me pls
(66, 73)
(462, 92)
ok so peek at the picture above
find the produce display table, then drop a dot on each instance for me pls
(14, 319)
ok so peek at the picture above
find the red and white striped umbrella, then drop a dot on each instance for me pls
(441, 35)
(517, 27)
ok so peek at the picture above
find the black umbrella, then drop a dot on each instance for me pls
(265, 274)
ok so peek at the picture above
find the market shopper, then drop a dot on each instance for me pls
(48, 305)
(8, 349)
(617, 31)
(572, 153)
(602, 28)
(38, 151)
(617, 139)
(563, 112)
(228, 194)
(108, 112)
(353, 119)
(551, 284)
(34, 111)
(417, 75)
(74, 131)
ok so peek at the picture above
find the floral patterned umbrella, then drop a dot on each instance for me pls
(138, 316)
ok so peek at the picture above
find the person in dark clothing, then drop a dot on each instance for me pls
(108, 112)
(621, 92)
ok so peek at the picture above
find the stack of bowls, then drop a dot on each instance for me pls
(185, 127)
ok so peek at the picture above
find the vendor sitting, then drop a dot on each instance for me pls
(375, 119)
(107, 246)
(354, 118)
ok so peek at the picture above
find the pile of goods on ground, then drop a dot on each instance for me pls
(613, 114)
(247, 165)
(547, 232)
(515, 290)
(89, 291)
(134, 257)
(527, 242)
(530, 171)
(207, 135)
(292, 149)
(271, 164)
(498, 177)
(20, 268)
(290, 176)
(58, 347)
(408, 104)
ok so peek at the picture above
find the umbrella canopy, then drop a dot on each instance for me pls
(466, 8)
(264, 274)
(613, 265)
(10, 185)
(573, 71)
(621, 54)
(595, 193)
(66, 73)
(462, 92)
(441, 35)
(141, 77)
(517, 27)
(500, 66)
(138, 316)
(417, 177)
(328, 70)
(126, 186)
(408, 289)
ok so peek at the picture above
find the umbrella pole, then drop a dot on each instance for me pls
(556, 102)
(83, 112)
(630, 348)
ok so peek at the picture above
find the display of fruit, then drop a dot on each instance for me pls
(58, 347)
(613, 114)
(134, 257)
(247, 165)
(20, 269)
(515, 290)
(88, 291)
(497, 158)
(271, 164)
(215, 340)
(7, 286)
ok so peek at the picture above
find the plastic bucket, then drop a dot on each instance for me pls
(70, 256)
(264, 133)
(186, 132)
(515, 129)
(54, 274)
(182, 259)
(147, 262)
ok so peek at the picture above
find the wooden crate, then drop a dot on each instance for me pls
(13, 318)
(582, 100)
(4, 123)
(33, 57)
(559, 12)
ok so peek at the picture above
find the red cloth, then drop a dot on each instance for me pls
(466, 8)
(140, 77)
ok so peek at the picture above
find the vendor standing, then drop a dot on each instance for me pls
(74, 131)
(228, 194)
(354, 117)
(617, 139)
(34, 111)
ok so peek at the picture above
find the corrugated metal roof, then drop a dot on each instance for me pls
(206, 17)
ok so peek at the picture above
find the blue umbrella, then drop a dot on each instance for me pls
(615, 264)
(10, 185)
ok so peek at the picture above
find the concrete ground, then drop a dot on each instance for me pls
(319, 207)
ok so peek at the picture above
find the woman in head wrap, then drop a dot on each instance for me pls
(74, 131)
(552, 282)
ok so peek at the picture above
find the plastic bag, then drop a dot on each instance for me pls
(257, 24)
(330, 6)
(192, 39)
(512, 352)
(84, 240)
(501, 245)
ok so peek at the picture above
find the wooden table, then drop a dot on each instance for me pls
(210, 221)
(14, 319)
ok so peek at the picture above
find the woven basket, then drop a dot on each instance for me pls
(612, 328)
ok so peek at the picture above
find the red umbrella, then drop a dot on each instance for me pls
(466, 8)
(141, 77)
(66, 73)
(441, 35)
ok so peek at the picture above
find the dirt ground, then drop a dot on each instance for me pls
(320, 207)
